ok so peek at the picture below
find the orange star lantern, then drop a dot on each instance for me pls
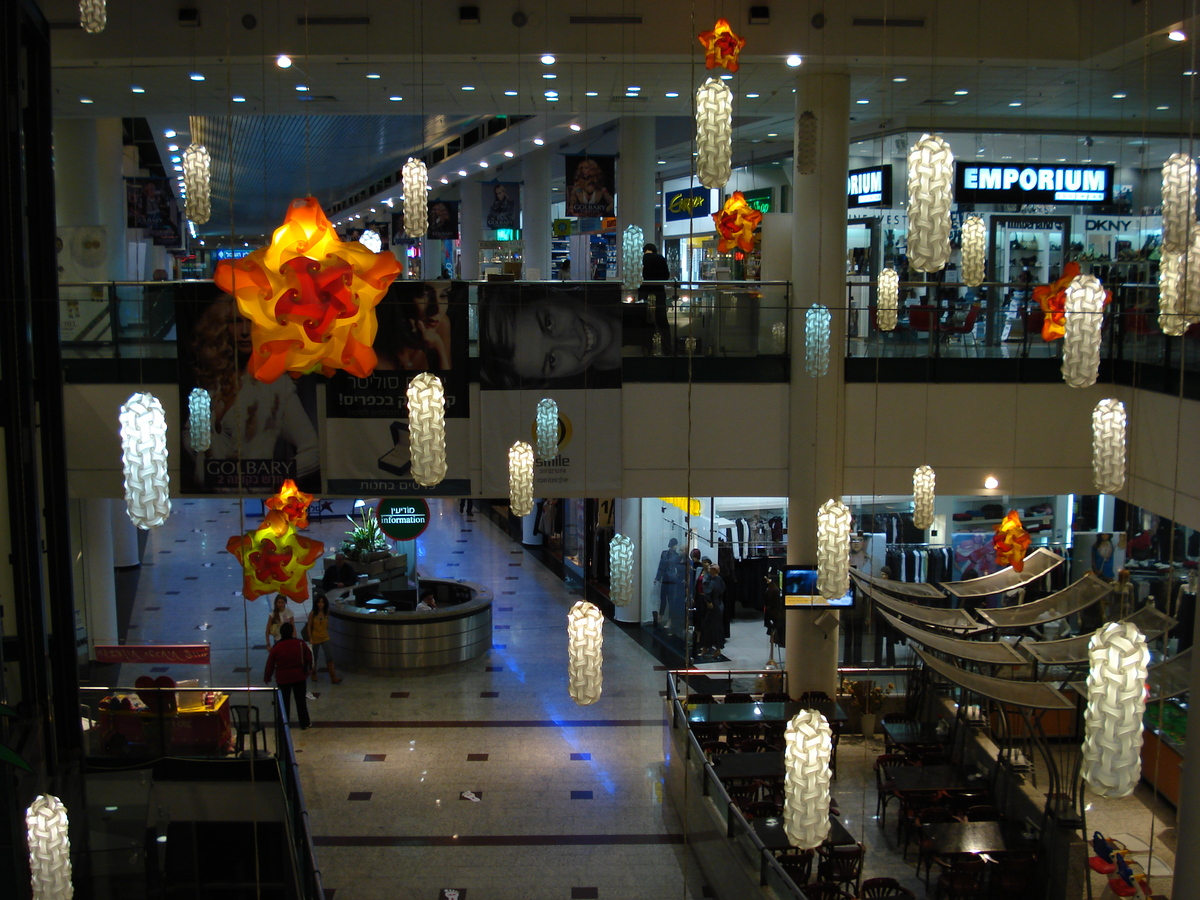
(1052, 298)
(736, 223)
(1011, 540)
(292, 503)
(310, 297)
(274, 558)
(721, 46)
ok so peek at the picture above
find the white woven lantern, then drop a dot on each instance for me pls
(816, 340)
(889, 300)
(93, 15)
(1171, 294)
(1081, 339)
(974, 250)
(47, 833)
(689, 344)
(714, 133)
(1178, 203)
(547, 429)
(199, 430)
(427, 429)
(520, 478)
(656, 344)
(1116, 699)
(633, 239)
(620, 570)
(779, 338)
(415, 182)
(930, 193)
(585, 653)
(144, 460)
(371, 240)
(1108, 446)
(197, 181)
(808, 746)
(924, 482)
(833, 549)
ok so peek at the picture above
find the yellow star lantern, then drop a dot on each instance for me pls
(1010, 541)
(721, 46)
(310, 297)
(736, 223)
(292, 503)
(274, 558)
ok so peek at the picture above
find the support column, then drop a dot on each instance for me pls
(95, 552)
(1187, 865)
(627, 520)
(816, 426)
(535, 215)
(470, 228)
(635, 180)
(110, 187)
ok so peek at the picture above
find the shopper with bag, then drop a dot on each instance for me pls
(290, 661)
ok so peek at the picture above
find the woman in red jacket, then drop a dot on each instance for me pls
(290, 661)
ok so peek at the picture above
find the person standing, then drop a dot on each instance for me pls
(664, 577)
(340, 574)
(466, 506)
(318, 636)
(655, 271)
(280, 616)
(289, 662)
(712, 637)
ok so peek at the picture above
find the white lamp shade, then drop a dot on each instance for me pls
(585, 653)
(930, 193)
(547, 429)
(427, 429)
(93, 15)
(1178, 203)
(197, 179)
(1116, 699)
(620, 570)
(633, 239)
(808, 745)
(656, 344)
(816, 340)
(1081, 338)
(415, 181)
(974, 250)
(1170, 294)
(889, 300)
(714, 133)
(199, 429)
(833, 549)
(371, 240)
(520, 478)
(924, 483)
(779, 338)
(47, 833)
(1108, 446)
(144, 460)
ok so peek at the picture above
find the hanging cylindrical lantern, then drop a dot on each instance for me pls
(816, 340)
(689, 344)
(656, 344)
(924, 482)
(371, 240)
(144, 460)
(415, 182)
(620, 566)
(1108, 446)
(633, 239)
(1081, 338)
(1171, 292)
(1116, 700)
(427, 429)
(547, 429)
(585, 653)
(199, 427)
(197, 181)
(833, 549)
(974, 250)
(930, 193)
(93, 15)
(779, 337)
(47, 833)
(714, 133)
(806, 143)
(1178, 203)
(520, 479)
(889, 300)
(808, 746)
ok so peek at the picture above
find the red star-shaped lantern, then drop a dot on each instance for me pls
(292, 503)
(721, 46)
(736, 223)
(310, 297)
(1010, 541)
(274, 558)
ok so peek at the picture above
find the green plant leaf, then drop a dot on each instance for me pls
(13, 759)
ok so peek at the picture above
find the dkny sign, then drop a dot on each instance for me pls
(1032, 183)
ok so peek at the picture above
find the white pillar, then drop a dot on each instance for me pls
(76, 201)
(124, 543)
(816, 427)
(535, 214)
(627, 520)
(777, 248)
(110, 149)
(95, 551)
(470, 227)
(1187, 865)
(635, 179)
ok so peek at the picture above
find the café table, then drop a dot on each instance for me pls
(927, 778)
(957, 838)
(770, 832)
(912, 734)
(748, 766)
(742, 713)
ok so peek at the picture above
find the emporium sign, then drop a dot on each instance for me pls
(403, 520)
(869, 187)
(1031, 183)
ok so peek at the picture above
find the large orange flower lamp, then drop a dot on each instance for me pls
(736, 223)
(721, 46)
(1010, 541)
(274, 558)
(310, 297)
(1052, 298)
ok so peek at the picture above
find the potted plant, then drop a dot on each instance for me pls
(365, 541)
(867, 697)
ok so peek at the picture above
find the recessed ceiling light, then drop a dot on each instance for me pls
(752, 96)
(633, 87)
(462, 172)
(1062, 159)
(138, 90)
(1120, 96)
(85, 100)
(575, 126)
(1177, 36)
(177, 168)
(538, 141)
(1015, 103)
(961, 93)
(372, 75)
(549, 75)
(483, 164)
(593, 93)
(991, 483)
(726, 77)
(196, 76)
(238, 99)
(551, 94)
(900, 79)
(1006, 157)
(172, 148)
(662, 162)
(772, 134)
(176, 159)
(553, 99)
(793, 60)
(468, 87)
(170, 133)
(395, 98)
(283, 61)
(862, 101)
(302, 87)
(1162, 107)
(1190, 72)
(980, 152)
(672, 94)
(510, 93)
(547, 60)
(445, 180)
(509, 154)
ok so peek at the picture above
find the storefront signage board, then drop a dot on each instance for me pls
(689, 203)
(760, 199)
(403, 520)
(191, 654)
(981, 182)
(871, 186)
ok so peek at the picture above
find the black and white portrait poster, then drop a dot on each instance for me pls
(591, 185)
(501, 204)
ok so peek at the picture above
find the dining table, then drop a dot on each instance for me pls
(749, 766)
(912, 734)
(743, 713)
(978, 838)
(927, 778)
(770, 831)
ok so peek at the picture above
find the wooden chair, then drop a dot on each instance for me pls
(756, 745)
(693, 699)
(715, 748)
(961, 801)
(814, 697)
(984, 813)
(740, 732)
(961, 880)
(798, 865)
(825, 890)
(707, 731)
(888, 746)
(739, 698)
(885, 789)
(841, 865)
(743, 795)
(934, 758)
(1015, 875)
(889, 888)
(763, 809)
(911, 803)
(926, 817)
(776, 697)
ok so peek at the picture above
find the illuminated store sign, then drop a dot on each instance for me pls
(760, 199)
(869, 187)
(403, 520)
(691, 203)
(1028, 183)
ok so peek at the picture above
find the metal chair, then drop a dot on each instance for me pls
(885, 789)
(841, 865)
(825, 890)
(246, 721)
(984, 813)
(776, 697)
(888, 888)
(798, 865)
(961, 880)
(739, 698)
(926, 817)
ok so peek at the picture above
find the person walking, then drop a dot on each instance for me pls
(318, 636)
(289, 662)
(280, 616)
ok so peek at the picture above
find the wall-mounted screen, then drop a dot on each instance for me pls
(800, 590)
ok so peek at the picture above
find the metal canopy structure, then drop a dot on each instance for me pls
(1037, 564)
(904, 588)
(1069, 651)
(1083, 593)
(996, 653)
(952, 619)
(1170, 678)
(1025, 694)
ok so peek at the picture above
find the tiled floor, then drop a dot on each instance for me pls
(486, 776)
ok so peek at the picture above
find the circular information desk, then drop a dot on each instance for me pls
(378, 639)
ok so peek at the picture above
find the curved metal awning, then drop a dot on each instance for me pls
(1171, 677)
(1151, 622)
(996, 653)
(1028, 694)
(1083, 593)
(1037, 564)
(904, 588)
(953, 619)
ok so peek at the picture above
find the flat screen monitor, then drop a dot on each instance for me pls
(800, 590)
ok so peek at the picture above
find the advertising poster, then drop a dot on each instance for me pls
(591, 185)
(422, 328)
(443, 222)
(974, 555)
(260, 433)
(501, 204)
(150, 204)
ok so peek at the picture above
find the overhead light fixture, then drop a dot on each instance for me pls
(833, 549)
(900, 79)
(173, 168)
(714, 130)
(772, 134)
(395, 98)
(1116, 701)
(671, 94)
(575, 126)
(371, 240)
(862, 101)
(238, 99)
(169, 133)
(752, 96)
(1081, 338)
(1177, 35)
(510, 93)
(585, 648)
(172, 148)
(1161, 108)
(808, 746)
(662, 162)
(138, 90)
(283, 61)
(445, 180)
(620, 567)
(1190, 72)
(974, 250)
(415, 181)
(991, 483)
(373, 75)
(793, 61)
(726, 77)
(196, 76)
(197, 179)
(549, 75)
(144, 460)
(427, 429)
(550, 94)
(520, 479)
(302, 87)
(1108, 446)
(1178, 202)
(93, 16)
(85, 100)
(924, 482)
(816, 340)
(462, 173)
(547, 60)
(47, 833)
(538, 141)
(593, 94)
(961, 93)
(1119, 96)
(483, 164)
(468, 87)
(199, 424)
(930, 194)
(1015, 103)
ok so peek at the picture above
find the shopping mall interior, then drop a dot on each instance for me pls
(551, 316)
